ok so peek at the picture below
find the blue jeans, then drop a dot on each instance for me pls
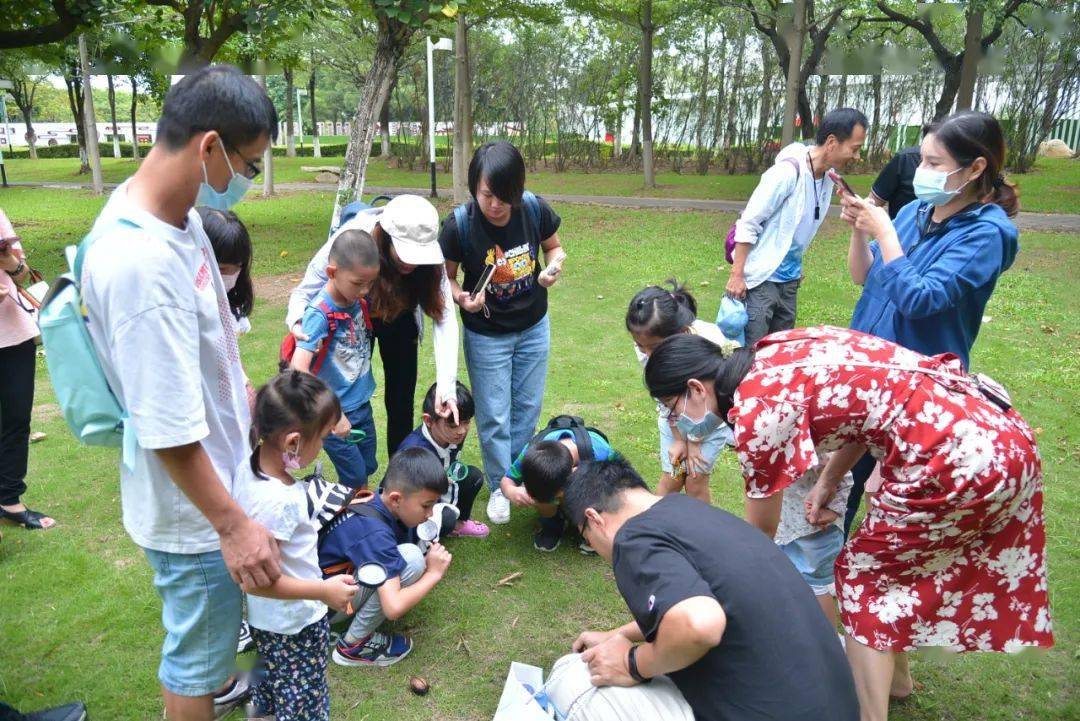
(201, 611)
(354, 462)
(507, 374)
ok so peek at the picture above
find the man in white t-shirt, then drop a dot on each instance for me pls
(162, 328)
(781, 218)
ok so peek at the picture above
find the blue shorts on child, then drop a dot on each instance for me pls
(814, 557)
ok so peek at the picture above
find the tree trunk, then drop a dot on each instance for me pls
(290, 124)
(703, 152)
(112, 110)
(268, 158)
(645, 68)
(765, 109)
(806, 113)
(73, 81)
(877, 133)
(841, 98)
(462, 111)
(93, 153)
(385, 148)
(732, 130)
(823, 90)
(390, 45)
(635, 130)
(316, 151)
(795, 46)
(948, 89)
(969, 68)
(134, 128)
(31, 139)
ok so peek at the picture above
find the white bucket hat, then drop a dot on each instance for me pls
(413, 225)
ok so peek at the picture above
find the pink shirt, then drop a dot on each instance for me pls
(16, 325)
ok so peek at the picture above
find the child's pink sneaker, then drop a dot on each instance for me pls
(471, 528)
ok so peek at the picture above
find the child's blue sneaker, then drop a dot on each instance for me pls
(378, 649)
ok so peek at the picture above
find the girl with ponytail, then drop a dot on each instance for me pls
(655, 314)
(288, 619)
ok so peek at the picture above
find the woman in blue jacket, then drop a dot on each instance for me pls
(928, 275)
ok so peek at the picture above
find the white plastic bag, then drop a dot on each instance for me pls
(517, 702)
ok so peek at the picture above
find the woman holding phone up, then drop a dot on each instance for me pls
(507, 336)
(928, 275)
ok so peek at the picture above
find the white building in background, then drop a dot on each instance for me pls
(13, 135)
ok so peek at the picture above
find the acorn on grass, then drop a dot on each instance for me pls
(418, 686)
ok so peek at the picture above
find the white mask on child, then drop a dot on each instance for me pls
(229, 279)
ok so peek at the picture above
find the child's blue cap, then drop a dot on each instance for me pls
(732, 319)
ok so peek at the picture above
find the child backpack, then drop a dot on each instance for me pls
(89, 405)
(330, 503)
(354, 208)
(729, 241)
(461, 218)
(333, 318)
(580, 431)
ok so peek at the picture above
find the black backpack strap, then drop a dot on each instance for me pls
(369, 511)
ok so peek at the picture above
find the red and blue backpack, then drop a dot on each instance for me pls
(333, 318)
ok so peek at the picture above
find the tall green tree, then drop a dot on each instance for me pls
(397, 21)
(938, 26)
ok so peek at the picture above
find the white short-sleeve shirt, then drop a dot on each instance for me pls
(161, 325)
(283, 510)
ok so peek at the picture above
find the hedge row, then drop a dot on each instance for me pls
(329, 150)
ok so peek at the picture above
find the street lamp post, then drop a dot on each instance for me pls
(441, 44)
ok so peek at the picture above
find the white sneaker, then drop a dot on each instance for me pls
(498, 508)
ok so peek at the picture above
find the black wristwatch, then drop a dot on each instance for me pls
(19, 269)
(631, 665)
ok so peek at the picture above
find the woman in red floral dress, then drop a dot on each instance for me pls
(952, 552)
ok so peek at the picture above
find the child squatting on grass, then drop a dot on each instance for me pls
(537, 476)
(293, 413)
(443, 437)
(338, 350)
(656, 313)
(383, 532)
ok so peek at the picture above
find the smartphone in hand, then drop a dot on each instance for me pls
(485, 278)
(838, 179)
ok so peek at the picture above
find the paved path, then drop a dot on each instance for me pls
(1025, 221)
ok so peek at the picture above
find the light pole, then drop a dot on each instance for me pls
(441, 44)
(300, 114)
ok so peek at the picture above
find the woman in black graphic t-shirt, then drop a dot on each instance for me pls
(506, 327)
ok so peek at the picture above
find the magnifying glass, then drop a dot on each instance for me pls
(428, 530)
(371, 575)
(457, 471)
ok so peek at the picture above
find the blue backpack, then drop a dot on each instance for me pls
(354, 208)
(90, 408)
(461, 218)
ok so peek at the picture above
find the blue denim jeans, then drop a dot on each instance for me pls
(507, 374)
(201, 611)
(354, 462)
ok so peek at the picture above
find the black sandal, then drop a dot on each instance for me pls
(30, 520)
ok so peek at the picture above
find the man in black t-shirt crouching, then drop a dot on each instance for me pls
(717, 606)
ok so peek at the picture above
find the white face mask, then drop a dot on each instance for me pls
(230, 280)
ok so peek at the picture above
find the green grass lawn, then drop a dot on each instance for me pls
(1052, 187)
(81, 620)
